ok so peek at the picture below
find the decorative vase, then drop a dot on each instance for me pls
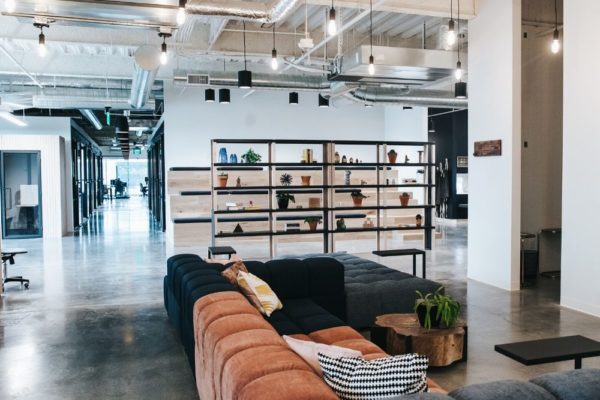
(314, 202)
(357, 201)
(422, 312)
(313, 225)
(392, 156)
(347, 178)
(233, 159)
(283, 203)
(223, 180)
(337, 157)
(223, 155)
(404, 199)
(341, 224)
(419, 221)
(306, 180)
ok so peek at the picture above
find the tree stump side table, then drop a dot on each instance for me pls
(442, 346)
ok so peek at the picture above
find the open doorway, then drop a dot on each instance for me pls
(126, 178)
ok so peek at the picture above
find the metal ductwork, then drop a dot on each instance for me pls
(71, 98)
(259, 81)
(417, 98)
(242, 10)
(147, 62)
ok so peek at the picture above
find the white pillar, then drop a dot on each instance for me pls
(495, 113)
(581, 141)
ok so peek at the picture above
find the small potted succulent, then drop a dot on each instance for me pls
(392, 156)
(404, 199)
(223, 177)
(419, 220)
(436, 309)
(357, 197)
(313, 222)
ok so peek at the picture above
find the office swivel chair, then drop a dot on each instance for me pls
(8, 257)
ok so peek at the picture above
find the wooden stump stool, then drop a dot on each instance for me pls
(442, 346)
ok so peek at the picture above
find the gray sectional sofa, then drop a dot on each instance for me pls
(373, 289)
(580, 384)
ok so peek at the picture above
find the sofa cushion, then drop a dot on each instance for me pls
(283, 324)
(259, 293)
(309, 351)
(358, 379)
(231, 272)
(579, 384)
(508, 389)
(422, 396)
(309, 316)
(344, 336)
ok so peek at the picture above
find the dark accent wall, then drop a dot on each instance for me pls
(451, 140)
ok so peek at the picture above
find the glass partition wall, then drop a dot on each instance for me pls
(21, 194)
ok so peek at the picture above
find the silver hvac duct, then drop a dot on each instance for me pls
(147, 62)
(417, 98)
(259, 12)
(72, 98)
(259, 81)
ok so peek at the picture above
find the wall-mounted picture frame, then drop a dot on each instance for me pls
(488, 148)
(462, 162)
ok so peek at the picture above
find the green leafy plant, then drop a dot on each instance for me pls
(223, 174)
(358, 194)
(286, 179)
(404, 194)
(251, 157)
(282, 195)
(445, 308)
(308, 220)
(392, 151)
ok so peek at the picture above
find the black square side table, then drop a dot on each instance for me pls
(544, 351)
(222, 250)
(405, 252)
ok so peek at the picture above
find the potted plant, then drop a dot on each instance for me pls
(404, 199)
(284, 198)
(305, 180)
(436, 309)
(357, 197)
(419, 220)
(223, 176)
(251, 157)
(286, 180)
(313, 222)
(392, 156)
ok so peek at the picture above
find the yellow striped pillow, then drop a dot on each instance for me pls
(256, 289)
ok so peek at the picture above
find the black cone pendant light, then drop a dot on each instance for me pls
(209, 95)
(323, 101)
(245, 76)
(294, 98)
(224, 96)
(460, 90)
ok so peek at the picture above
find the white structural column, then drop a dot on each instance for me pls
(581, 141)
(495, 113)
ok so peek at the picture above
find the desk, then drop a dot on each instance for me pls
(405, 252)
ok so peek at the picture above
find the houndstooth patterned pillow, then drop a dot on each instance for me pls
(357, 379)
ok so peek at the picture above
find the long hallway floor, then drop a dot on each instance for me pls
(93, 324)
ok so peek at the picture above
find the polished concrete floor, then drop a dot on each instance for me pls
(92, 325)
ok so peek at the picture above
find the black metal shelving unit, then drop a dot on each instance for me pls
(327, 190)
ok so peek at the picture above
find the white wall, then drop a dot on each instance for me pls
(49, 126)
(581, 141)
(495, 113)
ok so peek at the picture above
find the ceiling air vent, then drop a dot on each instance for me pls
(198, 79)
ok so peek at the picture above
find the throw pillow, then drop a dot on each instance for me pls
(259, 293)
(231, 273)
(309, 351)
(357, 379)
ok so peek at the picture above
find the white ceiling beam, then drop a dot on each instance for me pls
(432, 8)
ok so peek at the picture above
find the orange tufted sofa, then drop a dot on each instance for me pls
(239, 355)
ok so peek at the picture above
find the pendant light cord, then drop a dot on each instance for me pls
(458, 31)
(273, 35)
(245, 63)
(556, 14)
(371, 30)
(451, 18)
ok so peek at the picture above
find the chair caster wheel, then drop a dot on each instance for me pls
(27, 286)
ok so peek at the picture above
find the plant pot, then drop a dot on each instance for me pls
(283, 203)
(419, 223)
(357, 201)
(306, 180)
(223, 181)
(313, 225)
(392, 157)
(404, 200)
(422, 312)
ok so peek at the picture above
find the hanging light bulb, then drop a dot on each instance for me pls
(42, 50)
(10, 6)
(181, 13)
(555, 47)
(458, 72)
(332, 25)
(451, 37)
(371, 65)
(164, 58)
(274, 62)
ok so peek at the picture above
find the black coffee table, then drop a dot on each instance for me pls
(405, 252)
(221, 250)
(544, 351)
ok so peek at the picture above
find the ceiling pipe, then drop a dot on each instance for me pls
(90, 116)
(242, 10)
(147, 62)
(416, 98)
(263, 81)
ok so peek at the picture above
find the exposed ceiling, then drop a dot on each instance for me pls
(91, 44)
